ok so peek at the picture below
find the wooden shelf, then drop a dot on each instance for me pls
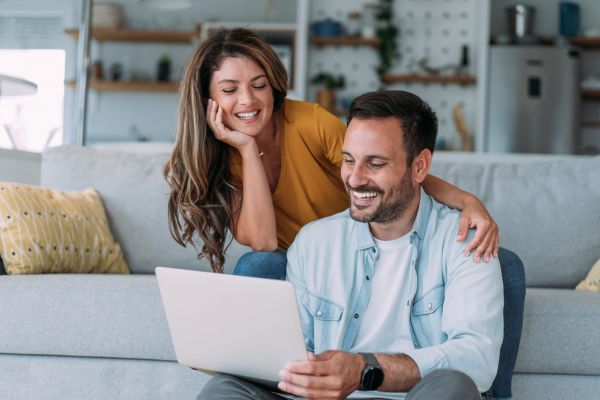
(126, 35)
(141, 86)
(320, 41)
(591, 94)
(462, 80)
(591, 124)
(590, 42)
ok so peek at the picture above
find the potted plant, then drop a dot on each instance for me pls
(386, 32)
(164, 68)
(329, 83)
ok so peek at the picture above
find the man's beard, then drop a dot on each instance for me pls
(393, 203)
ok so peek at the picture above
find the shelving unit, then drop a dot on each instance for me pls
(461, 80)
(344, 41)
(131, 86)
(127, 35)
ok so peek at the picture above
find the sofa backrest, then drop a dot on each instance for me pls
(135, 198)
(547, 208)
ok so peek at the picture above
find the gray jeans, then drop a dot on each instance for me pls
(442, 384)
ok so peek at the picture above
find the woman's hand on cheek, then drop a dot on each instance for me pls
(214, 118)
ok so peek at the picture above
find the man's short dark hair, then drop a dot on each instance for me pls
(418, 121)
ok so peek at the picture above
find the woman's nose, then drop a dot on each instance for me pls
(246, 97)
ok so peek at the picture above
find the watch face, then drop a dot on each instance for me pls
(372, 378)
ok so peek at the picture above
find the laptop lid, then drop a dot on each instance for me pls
(242, 326)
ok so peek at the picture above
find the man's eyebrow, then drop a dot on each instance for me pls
(378, 157)
(369, 157)
(234, 81)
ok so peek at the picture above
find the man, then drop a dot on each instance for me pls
(388, 300)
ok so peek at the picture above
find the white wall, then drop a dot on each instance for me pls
(20, 166)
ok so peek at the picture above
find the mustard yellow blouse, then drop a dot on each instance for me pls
(309, 184)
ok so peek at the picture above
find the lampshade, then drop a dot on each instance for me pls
(12, 86)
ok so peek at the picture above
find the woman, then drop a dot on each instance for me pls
(249, 160)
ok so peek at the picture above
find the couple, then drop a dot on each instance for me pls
(357, 274)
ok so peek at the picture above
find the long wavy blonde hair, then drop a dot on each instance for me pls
(201, 203)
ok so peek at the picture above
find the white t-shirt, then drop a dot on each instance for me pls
(385, 327)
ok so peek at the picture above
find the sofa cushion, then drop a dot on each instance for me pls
(547, 208)
(135, 198)
(560, 333)
(47, 231)
(117, 316)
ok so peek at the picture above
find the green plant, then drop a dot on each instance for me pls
(164, 58)
(329, 81)
(386, 32)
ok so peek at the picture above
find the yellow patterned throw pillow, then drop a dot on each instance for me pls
(48, 231)
(592, 281)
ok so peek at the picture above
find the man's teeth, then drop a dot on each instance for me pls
(247, 115)
(365, 195)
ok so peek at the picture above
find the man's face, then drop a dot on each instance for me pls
(374, 170)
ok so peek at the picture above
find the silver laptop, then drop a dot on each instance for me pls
(241, 326)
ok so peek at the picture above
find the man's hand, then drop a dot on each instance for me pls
(332, 374)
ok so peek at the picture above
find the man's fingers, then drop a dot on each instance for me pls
(311, 381)
(307, 393)
(308, 367)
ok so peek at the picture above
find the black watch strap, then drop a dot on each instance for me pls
(371, 360)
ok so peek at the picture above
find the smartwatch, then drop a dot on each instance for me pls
(372, 376)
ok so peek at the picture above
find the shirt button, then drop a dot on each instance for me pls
(430, 306)
(373, 250)
(356, 316)
(319, 313)
(367, 277)
(408, 303)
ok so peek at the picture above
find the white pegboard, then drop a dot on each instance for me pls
(436, 29)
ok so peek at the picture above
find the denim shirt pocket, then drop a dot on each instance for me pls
(321, 308)
(429, 302)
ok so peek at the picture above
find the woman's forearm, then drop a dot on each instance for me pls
(255, 225)
(446, 193)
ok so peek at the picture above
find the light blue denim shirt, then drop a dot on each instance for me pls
(456, 314)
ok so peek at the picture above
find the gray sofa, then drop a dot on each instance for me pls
(106, 337)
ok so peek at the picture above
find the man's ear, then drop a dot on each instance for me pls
(421, 165)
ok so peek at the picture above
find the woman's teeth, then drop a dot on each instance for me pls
(249, 115)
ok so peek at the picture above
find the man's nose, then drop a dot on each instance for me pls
(358, 176)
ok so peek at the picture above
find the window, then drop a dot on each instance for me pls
(31, 117)
(32, 75)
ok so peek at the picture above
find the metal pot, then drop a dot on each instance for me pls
(520, 20)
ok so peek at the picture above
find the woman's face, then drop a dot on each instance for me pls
(241, 88)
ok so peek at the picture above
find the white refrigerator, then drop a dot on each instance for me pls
(534, 100)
